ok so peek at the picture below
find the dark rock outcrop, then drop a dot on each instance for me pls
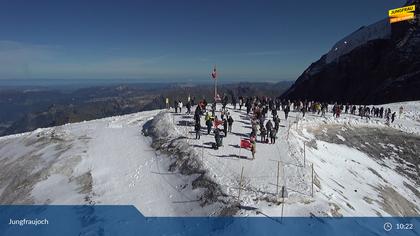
(383, 68)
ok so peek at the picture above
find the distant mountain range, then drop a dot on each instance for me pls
(379, 63)
(26, 109)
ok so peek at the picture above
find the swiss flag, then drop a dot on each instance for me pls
(214, 73)
(218, 122)
(245, 143)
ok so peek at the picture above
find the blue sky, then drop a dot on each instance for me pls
(174, 40)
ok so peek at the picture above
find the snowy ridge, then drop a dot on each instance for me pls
(104, 161)
(378, 30)
(170, 138)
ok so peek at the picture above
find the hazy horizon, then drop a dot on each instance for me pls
(105, 82)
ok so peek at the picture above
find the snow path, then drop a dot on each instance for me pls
(127, 170)
(260, 175)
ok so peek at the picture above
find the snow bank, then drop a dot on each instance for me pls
(369, 177)
(168, 138)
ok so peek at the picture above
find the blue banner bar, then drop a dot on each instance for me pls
(127, 220)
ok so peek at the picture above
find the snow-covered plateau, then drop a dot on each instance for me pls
(322, 166)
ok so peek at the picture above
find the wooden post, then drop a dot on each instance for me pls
(240, 184)
(312, 192)
(202, 153)
(278, 176)
(304, 154)
(282, 204)
(240, 148)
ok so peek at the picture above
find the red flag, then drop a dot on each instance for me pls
(245, 143)
(218, 122)
(214, 73)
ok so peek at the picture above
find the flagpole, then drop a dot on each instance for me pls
(215, 85)
(215, 90)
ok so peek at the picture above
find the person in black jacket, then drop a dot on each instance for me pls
(276, 123)
(176, 106)
(230, 123)
(225, 127)
(188, 107)
(217, 138)
(197, 129)
(269, 126)
(273, 134)
(286, 112)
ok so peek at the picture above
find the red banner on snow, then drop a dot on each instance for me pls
(245, 143)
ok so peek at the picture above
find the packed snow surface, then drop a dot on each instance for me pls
(316, 167)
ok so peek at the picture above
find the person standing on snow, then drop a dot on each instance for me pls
(400, 112)
(263, 133)
(273, 134)
(286, 112)
(274, 112)
(224, 102)
(254, 127)
(303, 110)
(225, 127)
(241, 102)
(180, 105)
(234, 102)
(167, 103)
(197, 114)
(197, 129)
(218, 139)
(188, 107)
(393, 117)
(176, 106)
(253, 148)
(209, 124)
(323, 109)
(387, 116)
(276, 123)
(230, 123)
(269, 126)
(248, 106)
(222, 114)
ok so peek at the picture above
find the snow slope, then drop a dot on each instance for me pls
(368, 172)
(361, 168)
(347, 181)
(106, 161)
